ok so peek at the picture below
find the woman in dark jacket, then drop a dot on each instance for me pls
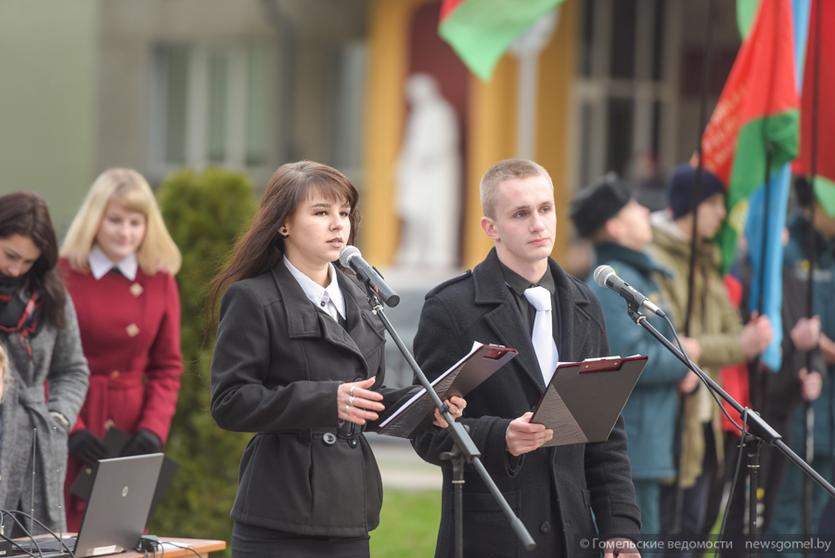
(299, 361)
(39, 331)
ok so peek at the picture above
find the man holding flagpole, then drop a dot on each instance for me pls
(716, 326)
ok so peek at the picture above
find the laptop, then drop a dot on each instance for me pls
(117, 511)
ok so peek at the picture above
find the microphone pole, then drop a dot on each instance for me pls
(759, 427)
(464, 449)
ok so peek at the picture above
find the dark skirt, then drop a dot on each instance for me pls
(249, 541)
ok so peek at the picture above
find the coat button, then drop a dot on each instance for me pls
(114, 374)
(329, 438)
(132, 330)
(545, 527)
(352, 442)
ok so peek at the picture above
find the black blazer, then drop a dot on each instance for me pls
(275, 371)
(551, 484)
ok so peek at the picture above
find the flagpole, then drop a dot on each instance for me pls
(678, 496)
(808, 412)
(757, 374)
(527, 48)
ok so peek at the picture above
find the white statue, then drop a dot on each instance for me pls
(429, 180)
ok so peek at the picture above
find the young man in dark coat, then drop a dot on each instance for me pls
(620, 229)
(554, 490)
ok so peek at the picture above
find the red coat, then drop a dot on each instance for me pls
(130, 333)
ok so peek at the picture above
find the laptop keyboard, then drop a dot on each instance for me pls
(49, 548)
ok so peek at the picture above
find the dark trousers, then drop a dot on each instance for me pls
(694, 500)
(737, 520)
(249, 541)
(826, 528)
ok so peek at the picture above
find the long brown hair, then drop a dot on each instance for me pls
(261, 247)
(26, 214)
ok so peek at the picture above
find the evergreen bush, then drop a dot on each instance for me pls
(205, 213)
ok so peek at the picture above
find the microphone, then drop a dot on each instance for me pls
(352, 258)
(606, 277)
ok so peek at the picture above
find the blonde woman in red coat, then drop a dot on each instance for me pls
(119, 263)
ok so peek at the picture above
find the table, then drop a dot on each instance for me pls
(201, 546)
(196, 547)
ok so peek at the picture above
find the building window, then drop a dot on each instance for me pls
(624, 96)
(213, 105)
(346, 79)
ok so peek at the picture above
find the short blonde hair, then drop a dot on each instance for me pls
(129, 189)
(506, 170)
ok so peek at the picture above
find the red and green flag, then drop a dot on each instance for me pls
(480, 31)
(757, 112)
(824, 113)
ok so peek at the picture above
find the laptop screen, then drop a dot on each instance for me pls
(119, 503)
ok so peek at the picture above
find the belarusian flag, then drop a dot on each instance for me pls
(825, 180)
(757, 110)
(765, 246)
(480, 31)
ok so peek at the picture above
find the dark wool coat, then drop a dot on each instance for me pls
(56, 359)
(549, 485)
(276, 368)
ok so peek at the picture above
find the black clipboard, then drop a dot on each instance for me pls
(584, 399)
(114, 442)
(475, 367)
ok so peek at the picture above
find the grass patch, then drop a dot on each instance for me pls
(408, 525)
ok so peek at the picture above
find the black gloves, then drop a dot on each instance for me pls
(86, 447)
(144, 441)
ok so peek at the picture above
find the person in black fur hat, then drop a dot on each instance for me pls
(620, 229)
(595, 204)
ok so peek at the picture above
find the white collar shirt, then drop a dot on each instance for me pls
(328, 299)
(100, 264)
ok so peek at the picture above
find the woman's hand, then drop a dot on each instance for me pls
(456, 409)
(358, 404)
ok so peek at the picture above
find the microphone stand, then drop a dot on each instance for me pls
(464, 449)
(758, 427)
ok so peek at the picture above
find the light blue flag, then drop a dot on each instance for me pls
(775, 217)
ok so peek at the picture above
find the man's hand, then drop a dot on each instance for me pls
(806, 333)
(811, 384)
(692, 348)
(620, 547)
(522, 436)
(688, 383)
(456, 406)
(827, 349)
(756, 335)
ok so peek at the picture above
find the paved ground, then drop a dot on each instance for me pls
(400, 466)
